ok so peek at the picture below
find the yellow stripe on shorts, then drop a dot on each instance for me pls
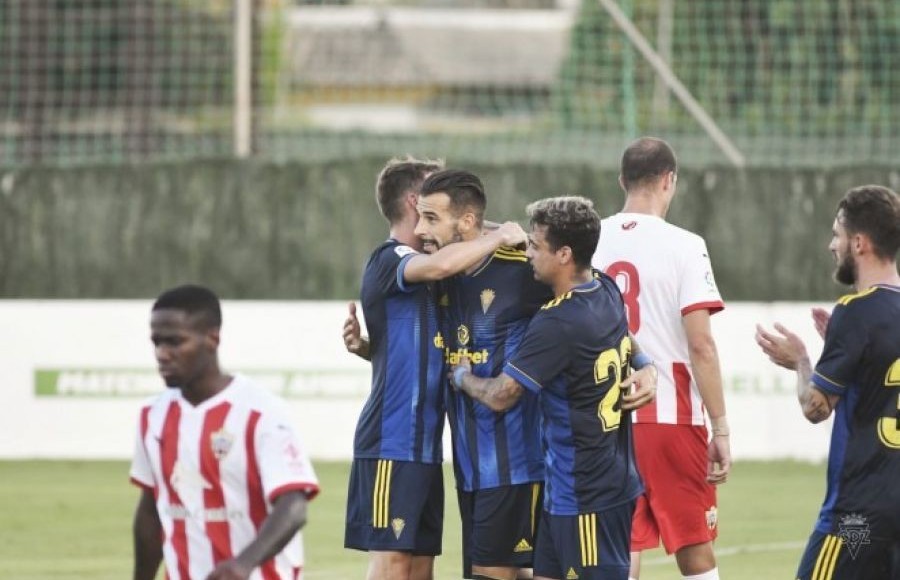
(827, 559)
(587, 534)
(382, 494)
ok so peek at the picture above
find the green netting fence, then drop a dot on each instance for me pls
(787, 82)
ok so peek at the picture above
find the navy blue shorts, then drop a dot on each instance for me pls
(590, 546)
(499, 525)
(395, 506)
(851, 553)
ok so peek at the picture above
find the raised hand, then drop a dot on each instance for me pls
(786, 350)
(820, 318)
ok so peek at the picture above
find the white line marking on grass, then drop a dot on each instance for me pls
(734, 550)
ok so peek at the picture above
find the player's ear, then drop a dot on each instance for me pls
(467, 222)
(212, 338)
(564, 254)
(622, 183)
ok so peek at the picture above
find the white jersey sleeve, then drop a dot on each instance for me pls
(141, 473)
(697, 287)
(284, 464)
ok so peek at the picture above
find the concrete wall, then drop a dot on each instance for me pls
(303, 231)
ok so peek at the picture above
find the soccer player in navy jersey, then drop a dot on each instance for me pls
(857, 534)
(498, 459)
(575, 355)
(396, 497)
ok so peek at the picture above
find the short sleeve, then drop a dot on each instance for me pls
(141, 473)
(284, 464)
(697, 287)
(845, 342)
(543, 354)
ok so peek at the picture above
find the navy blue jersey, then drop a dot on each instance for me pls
(403, 418)
(860, 363)
(487, 313)
(575, 354)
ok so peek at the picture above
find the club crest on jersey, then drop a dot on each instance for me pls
(397, 524)
(712, 518)
(854, 532)
(221, 442)
(462, 335)
(487, 298)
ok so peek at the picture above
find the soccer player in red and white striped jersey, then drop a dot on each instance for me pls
(666, 279)
(225, 480)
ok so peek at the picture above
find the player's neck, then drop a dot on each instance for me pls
(206, 387)
(571, 279)
(646, 202)
(404, 232)
(877, 272)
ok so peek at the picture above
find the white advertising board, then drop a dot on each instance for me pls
(75, 372)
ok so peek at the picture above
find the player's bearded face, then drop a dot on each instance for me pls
(846, 270)
(437, 225)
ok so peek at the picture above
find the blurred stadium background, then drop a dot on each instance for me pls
(235, 143)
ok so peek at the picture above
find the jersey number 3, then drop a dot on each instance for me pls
(889, 427)
(609, 366)
(626, 276)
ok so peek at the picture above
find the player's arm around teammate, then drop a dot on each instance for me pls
(446, 262)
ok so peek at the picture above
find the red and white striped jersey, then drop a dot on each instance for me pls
(215, 470)
(663, 272)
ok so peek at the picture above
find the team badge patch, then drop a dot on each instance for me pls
(487, 298)
(712, 518)
(462, 335)
(397, 524)
(221, 442)
(854, 532)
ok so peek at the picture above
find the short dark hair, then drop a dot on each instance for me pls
(873, 210)
(198, 302)
(570, 221)
(646, 159)
(398, 177)
(465, 190)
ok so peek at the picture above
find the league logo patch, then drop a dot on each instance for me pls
(854, 532)
(221, 442)
(462, 335)
(403, 251)
(397, 524)
(487, 298)
(710, 281)
(712, 518)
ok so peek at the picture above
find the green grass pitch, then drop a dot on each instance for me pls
(72, 520)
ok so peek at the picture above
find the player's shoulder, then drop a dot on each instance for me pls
(160, 400)
(391, 249)
(626, 226)
(870, 301)
(246, 391)
(507, 254)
